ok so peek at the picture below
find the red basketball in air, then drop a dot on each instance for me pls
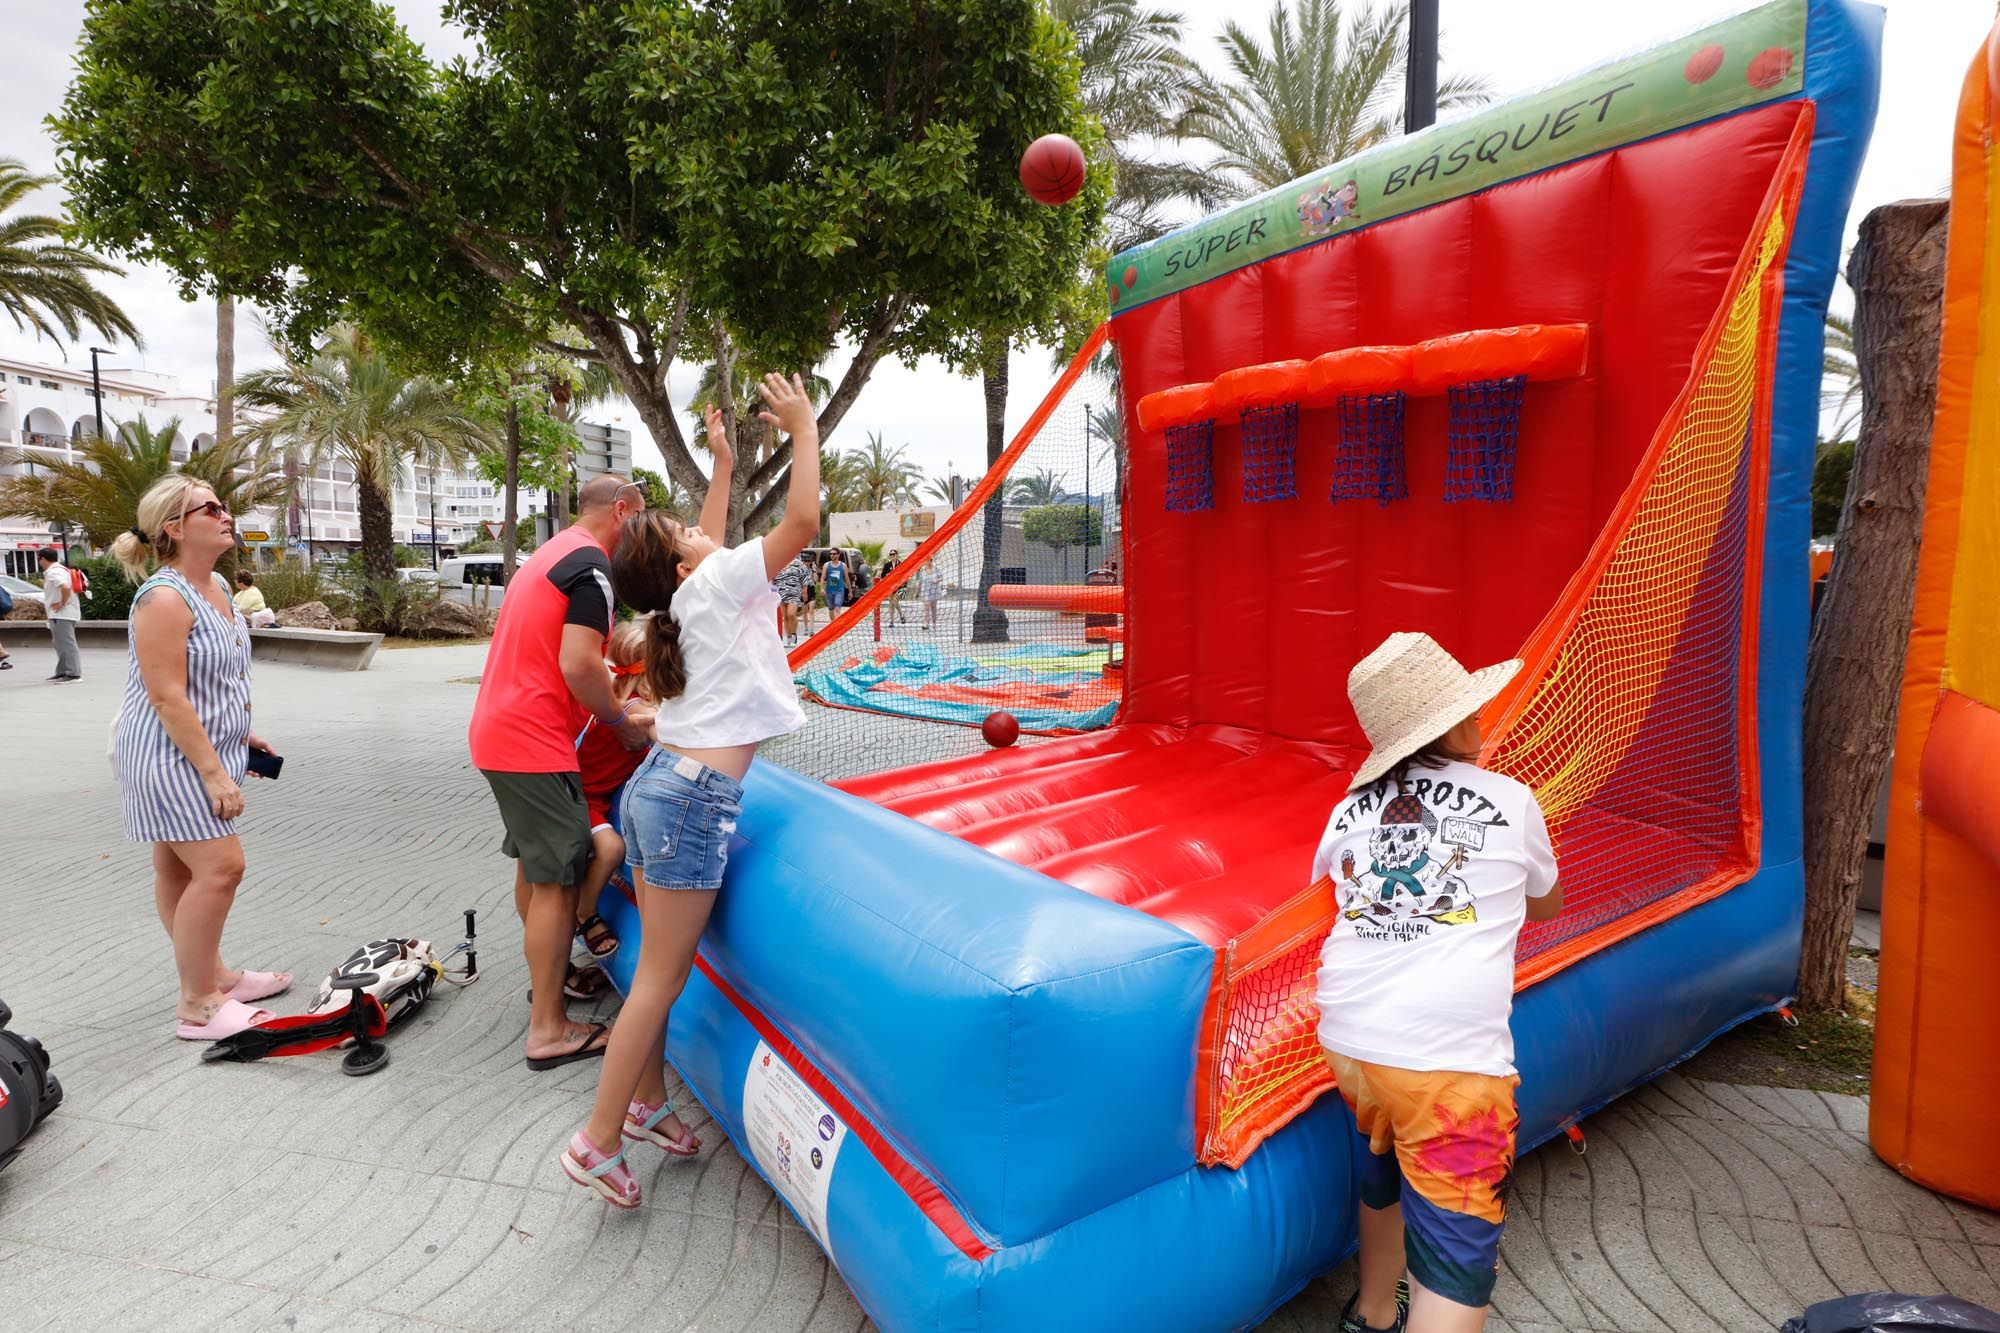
(1052, 169)
(1769, 68)
(1701, 66)
(1000, 729)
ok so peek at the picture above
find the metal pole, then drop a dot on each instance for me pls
(431, 486)
(97, 390)
(1420, 82)
(1086, 492)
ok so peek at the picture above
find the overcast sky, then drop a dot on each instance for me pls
(1515, 45)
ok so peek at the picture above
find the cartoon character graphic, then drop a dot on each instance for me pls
(1326, 208)
(1410, 869)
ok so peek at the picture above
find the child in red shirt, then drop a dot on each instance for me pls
(605, 763)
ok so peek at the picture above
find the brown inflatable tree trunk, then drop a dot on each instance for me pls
(1855, 663)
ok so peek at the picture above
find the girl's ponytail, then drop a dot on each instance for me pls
(666, 672)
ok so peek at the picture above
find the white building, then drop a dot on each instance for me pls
(47, 411)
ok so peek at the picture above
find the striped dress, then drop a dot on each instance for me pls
(162, 794)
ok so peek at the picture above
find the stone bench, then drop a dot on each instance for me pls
(332, 649)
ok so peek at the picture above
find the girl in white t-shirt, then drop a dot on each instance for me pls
(717, 668)
(1435, 864)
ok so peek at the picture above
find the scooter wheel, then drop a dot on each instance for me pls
(362, 1060)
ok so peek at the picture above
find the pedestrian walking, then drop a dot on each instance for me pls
(182, 744)
(63, 601)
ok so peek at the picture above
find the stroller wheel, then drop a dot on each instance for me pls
(364, 1059)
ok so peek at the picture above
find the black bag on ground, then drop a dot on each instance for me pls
(1894, 1312)
(28, 1091)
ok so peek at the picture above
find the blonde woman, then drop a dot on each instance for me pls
(182, 743)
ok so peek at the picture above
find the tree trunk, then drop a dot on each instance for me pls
(378, 531)
(1855, 662)
(225, 370)
(509, 543)
(989, 622)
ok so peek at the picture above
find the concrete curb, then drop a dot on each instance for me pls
(329, 649)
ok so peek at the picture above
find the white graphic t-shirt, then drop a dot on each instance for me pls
(1433, 885)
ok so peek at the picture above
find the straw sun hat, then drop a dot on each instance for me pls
(1409, 692)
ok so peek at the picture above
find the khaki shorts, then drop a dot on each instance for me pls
(547, 822)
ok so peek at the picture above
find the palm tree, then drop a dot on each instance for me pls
(1840, 378)
(1138, 80)
(840, 485)
(45, 285)
(1043, 487)
(1321, 85)
(348, 401)
(942, 490)
(886, 477)
(574, 386)
(99, 491)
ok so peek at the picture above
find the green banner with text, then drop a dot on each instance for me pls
(1754, 57)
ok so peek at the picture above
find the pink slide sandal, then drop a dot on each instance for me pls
(259, 985)
(233, 1017)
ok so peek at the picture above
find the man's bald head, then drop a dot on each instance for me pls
(600, 492)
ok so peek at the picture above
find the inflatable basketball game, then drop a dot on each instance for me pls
(1937, 1032)
(1025, 1037)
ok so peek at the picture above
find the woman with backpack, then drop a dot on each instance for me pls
(182, 744)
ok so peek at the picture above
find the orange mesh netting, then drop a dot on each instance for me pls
(1634, 718)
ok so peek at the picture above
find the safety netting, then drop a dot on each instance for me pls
(1635, 725)
(1007, 619)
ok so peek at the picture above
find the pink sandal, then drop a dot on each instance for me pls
(233, 1017)
(642, 1126)
(259, 985)
(604, 1172)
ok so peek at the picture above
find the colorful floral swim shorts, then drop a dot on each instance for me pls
(1441, 1144)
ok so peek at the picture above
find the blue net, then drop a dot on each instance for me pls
(1190, 467)
(1270, 453)
(1483, 424)
(1368, 464)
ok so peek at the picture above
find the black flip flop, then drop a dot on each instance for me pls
(584, 1050)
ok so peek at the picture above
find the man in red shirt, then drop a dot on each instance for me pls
(545, 678)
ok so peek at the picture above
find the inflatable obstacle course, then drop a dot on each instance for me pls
(1043, 1016)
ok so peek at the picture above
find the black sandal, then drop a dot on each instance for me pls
(595, 935)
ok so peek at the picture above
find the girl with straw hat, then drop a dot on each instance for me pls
(1435, 864)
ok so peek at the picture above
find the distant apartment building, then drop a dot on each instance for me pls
(47, 412)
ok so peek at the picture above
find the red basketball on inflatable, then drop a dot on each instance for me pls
(1000, 729)
(1769, 68)
(1701, 66)
(1052, 169)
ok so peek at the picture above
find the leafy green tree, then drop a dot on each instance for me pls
(98, 494)
(1138, 81)
(661, 493)
(1324, 82)
(45, 284)
(1829, 486)
(349, 400)
(1840, 377)
(1042, 487)
(1063, 526)
(884, 476)
(644, 171)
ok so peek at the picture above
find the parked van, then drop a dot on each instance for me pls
(472, 579)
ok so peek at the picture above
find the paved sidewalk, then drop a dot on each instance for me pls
(167, 1194)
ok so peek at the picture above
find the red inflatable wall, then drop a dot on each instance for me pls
(1250, 614)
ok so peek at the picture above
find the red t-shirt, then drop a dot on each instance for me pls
(525, 719)
(604, 764)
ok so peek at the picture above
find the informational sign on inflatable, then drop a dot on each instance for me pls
(794, 1136)
(1748, 58)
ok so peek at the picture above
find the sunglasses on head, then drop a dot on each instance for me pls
(619, 494)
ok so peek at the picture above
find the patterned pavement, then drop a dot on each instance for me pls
(170, 1195)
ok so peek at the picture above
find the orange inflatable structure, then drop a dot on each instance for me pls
(1936, 1095)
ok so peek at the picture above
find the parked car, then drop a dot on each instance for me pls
(859, 576)
(417, 574)
(473, 579)
(21, 590)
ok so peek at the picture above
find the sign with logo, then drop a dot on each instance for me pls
(254, 536)
(919, 525)
(793, 1135)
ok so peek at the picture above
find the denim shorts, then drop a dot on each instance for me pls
(679, 816)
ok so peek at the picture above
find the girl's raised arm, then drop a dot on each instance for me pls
(790, 410)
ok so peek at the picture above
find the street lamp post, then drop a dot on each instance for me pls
(97, 387)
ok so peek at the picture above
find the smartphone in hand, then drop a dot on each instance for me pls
(265, 764)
